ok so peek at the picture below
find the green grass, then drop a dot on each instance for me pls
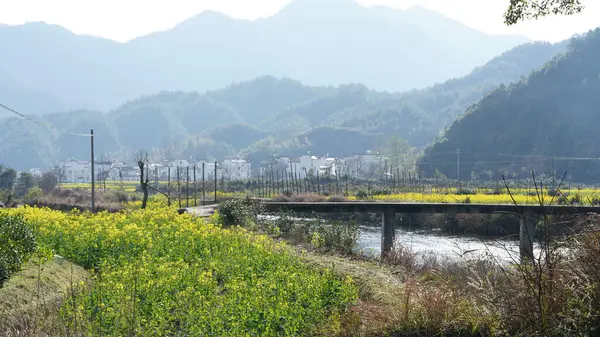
(30, 299)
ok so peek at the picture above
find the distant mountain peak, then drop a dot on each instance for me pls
(307, 7)
(208, 17)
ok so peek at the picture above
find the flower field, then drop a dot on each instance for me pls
(157, 273)
(521, 197)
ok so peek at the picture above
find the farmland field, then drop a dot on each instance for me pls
(157, 273)
(581, 196)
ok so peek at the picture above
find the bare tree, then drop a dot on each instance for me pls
(142, 161)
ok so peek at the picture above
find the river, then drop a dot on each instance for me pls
(428, 242)
(443, 245)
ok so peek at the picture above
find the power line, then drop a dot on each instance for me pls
(531, 157)
(48, 126)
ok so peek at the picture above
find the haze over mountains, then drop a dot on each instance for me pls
(265, 116)
(50, 69)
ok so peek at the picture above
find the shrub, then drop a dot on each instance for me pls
(576, 200)
(34, 193)
(362, 195)
(281, 198)
(381, 192)
(17, 243)
(337, 236)
(465, 191)
(310, 197)
(235, 212)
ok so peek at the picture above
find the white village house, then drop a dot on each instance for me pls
(236, 169)
(76, 171)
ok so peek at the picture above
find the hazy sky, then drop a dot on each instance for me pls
(123, 20)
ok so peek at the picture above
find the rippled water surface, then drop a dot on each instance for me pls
(441, 244)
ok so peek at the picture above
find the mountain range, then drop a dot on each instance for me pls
(46, 68)
(264, 116)
(546, 123)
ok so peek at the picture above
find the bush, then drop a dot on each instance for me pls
(381, 192)
(310, 197)
(17, 243)
(281, 198)
(33, 194)
(465, 191)
(236, 212)
(337, 198)
(361, 195)
(337, 236)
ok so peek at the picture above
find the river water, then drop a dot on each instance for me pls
(429, 242)
(425, 242)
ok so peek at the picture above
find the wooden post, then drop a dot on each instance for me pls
(187, 186)
(215, 182)
(346, 184)
(318, 183)
(388, 231)
(169, 186)
(178, 188)
(195, 188)
(93, 172)
(203, 184)
(526, 236)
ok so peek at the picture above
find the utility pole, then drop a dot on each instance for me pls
(458, 168)
(93, 174)
(215, 182)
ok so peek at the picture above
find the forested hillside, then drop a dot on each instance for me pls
(316, 42)
(541, 123)
(263, 117)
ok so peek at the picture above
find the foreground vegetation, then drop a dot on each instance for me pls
(156, 273)
(408, 293)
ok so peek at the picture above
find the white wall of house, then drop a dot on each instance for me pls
(235, 169)
(36, 172)
(76, 171)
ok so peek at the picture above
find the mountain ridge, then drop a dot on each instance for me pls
(277, 115)
(521, 127)
(349, 43)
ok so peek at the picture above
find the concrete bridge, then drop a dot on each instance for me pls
(527, 213)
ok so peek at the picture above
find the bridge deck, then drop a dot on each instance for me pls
(399, 207)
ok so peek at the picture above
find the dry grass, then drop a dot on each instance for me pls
(30, 300)
(413, 294)
(66, 199)
(311, 197)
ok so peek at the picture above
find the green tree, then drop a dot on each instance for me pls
(398, 152)
(48, 181)
(7, 178)
(25, 181)
(520, 10)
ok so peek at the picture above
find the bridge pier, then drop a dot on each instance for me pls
(388, 230)
(526, 235)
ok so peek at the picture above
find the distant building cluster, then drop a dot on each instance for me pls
(79, 171)
(358, 166)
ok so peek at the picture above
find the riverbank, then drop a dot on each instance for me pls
(556, 294)
(30, 300)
